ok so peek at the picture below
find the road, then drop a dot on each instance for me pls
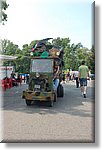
(71, 119)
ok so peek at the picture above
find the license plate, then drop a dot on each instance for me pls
(37, 86)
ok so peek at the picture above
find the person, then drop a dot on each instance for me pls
(27, 78)
(89, 74)
(19, 79)
(76, 73)
(68, 76)
(24, 78)
(56, 78)
(83, 74)
(13, 75)
(63, 77)
(73, 75)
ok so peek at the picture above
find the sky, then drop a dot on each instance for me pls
(30, 20)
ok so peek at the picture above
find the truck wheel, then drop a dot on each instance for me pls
(60, 92)
(28, 102)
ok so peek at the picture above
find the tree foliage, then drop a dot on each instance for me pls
(73, 54)
(4, 6)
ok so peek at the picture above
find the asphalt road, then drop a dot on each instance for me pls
(71, 119)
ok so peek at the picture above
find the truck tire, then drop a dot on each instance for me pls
(60, 91)
(28, 102)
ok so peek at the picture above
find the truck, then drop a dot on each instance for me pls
(44, 62)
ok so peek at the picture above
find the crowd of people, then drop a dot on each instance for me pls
(16, 79)
(80, 77)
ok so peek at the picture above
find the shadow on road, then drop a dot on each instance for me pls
(72, 103)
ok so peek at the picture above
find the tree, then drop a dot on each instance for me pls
(25, 50)
(91, 60)
(70, 56)
(61, 42)
(9, 48)
(82, 54)
(67, 61)
(73, 54)
(65, 43)
(73, 58)
(3, 7)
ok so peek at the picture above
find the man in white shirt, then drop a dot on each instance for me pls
(76, 74)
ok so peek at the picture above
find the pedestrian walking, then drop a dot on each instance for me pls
(68, 76)
(83, 74)
(76, 74)
(27, 78)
